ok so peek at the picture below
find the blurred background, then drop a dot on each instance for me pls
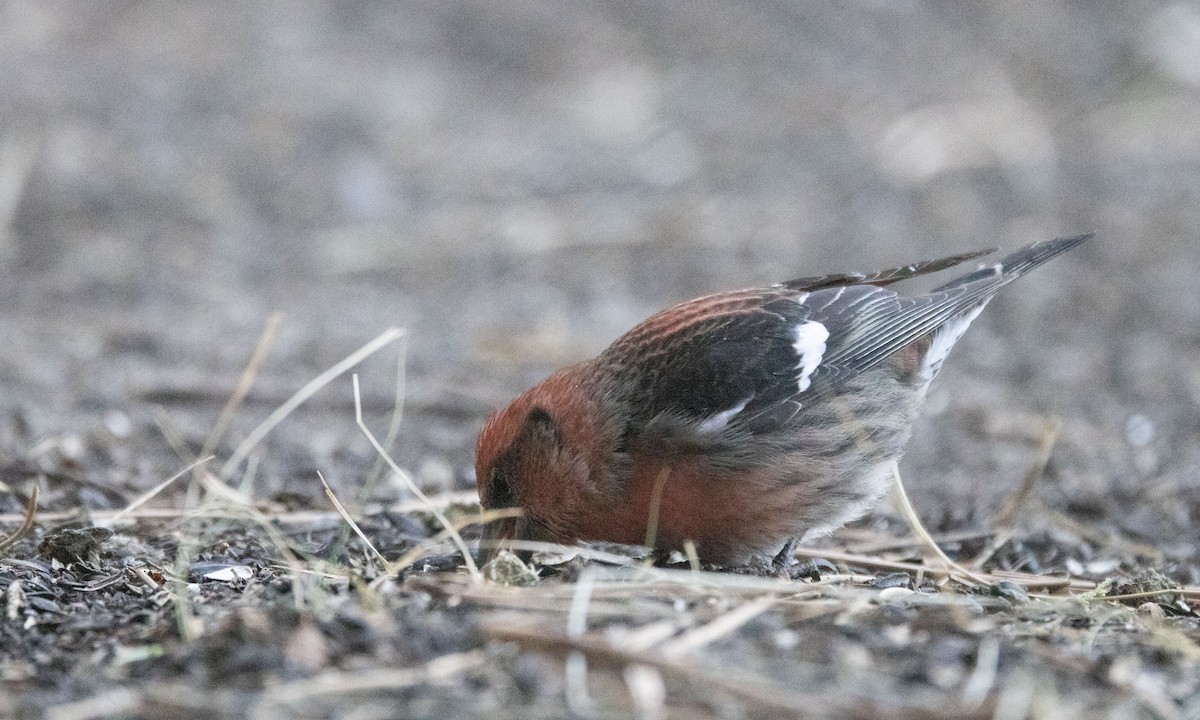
(516, 183)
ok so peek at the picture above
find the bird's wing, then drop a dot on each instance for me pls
(748, 361)
(710, 361)
(882, 277)
(866, 327)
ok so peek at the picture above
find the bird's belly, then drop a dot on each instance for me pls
(729, 519)
(733, 517)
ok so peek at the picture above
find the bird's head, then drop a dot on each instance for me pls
(540, 455)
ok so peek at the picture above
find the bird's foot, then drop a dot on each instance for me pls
(786, 565)
(787, 556)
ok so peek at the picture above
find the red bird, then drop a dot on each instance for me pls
(740, 421)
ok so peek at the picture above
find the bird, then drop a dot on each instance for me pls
(740, 421)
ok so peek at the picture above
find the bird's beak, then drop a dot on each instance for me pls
(500, 532)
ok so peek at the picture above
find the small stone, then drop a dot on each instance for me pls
(893, 594)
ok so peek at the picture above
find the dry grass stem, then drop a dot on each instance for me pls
(576, 671)
(538, 546)
(958, 571)
(26, 521)
(693, 557)
(983, 679)
(656, 494)
(290, 552)
(284, 701)
(169, 433)
(256, 436)
(869, 561)
(723, 626)
(1026, 580)
(873, 543)
(1006, 518)
(387, 566)
(265, 341)
(393, 431)
(291, 517)
(449, 527)
(647, 690)
(635, 580)
(149, 494)
(1050, 432)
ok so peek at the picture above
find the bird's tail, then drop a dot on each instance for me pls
(945, 311)
(1020, 262)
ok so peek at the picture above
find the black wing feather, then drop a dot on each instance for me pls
(744, 363)
(745, 360)
(882, 277)
(867, 336)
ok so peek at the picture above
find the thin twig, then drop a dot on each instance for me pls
(285, 699)
(265, 341)
(412, 486)
(292, 517)
(914, 521)
(387, 566)
(247, 446)
(656, 494)
(1004, 521)
(26, 522)
(149, 494)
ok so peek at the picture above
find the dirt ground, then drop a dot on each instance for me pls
(514, 184)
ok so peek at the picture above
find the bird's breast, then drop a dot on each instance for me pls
(729, 516)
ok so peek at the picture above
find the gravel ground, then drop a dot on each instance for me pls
(516, 183)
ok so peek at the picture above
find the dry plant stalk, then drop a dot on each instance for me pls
(576, 671)
(1049, 438)
(149, 494)
(408, 480)
(1004, 521)
(265, 341)
(256, 436)
(387, 566)
(914, 521)
(656, 494)
(292, 517)
(26, 522)
(222, 494)
(282, 701)
(249, 374)
(393, 431)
